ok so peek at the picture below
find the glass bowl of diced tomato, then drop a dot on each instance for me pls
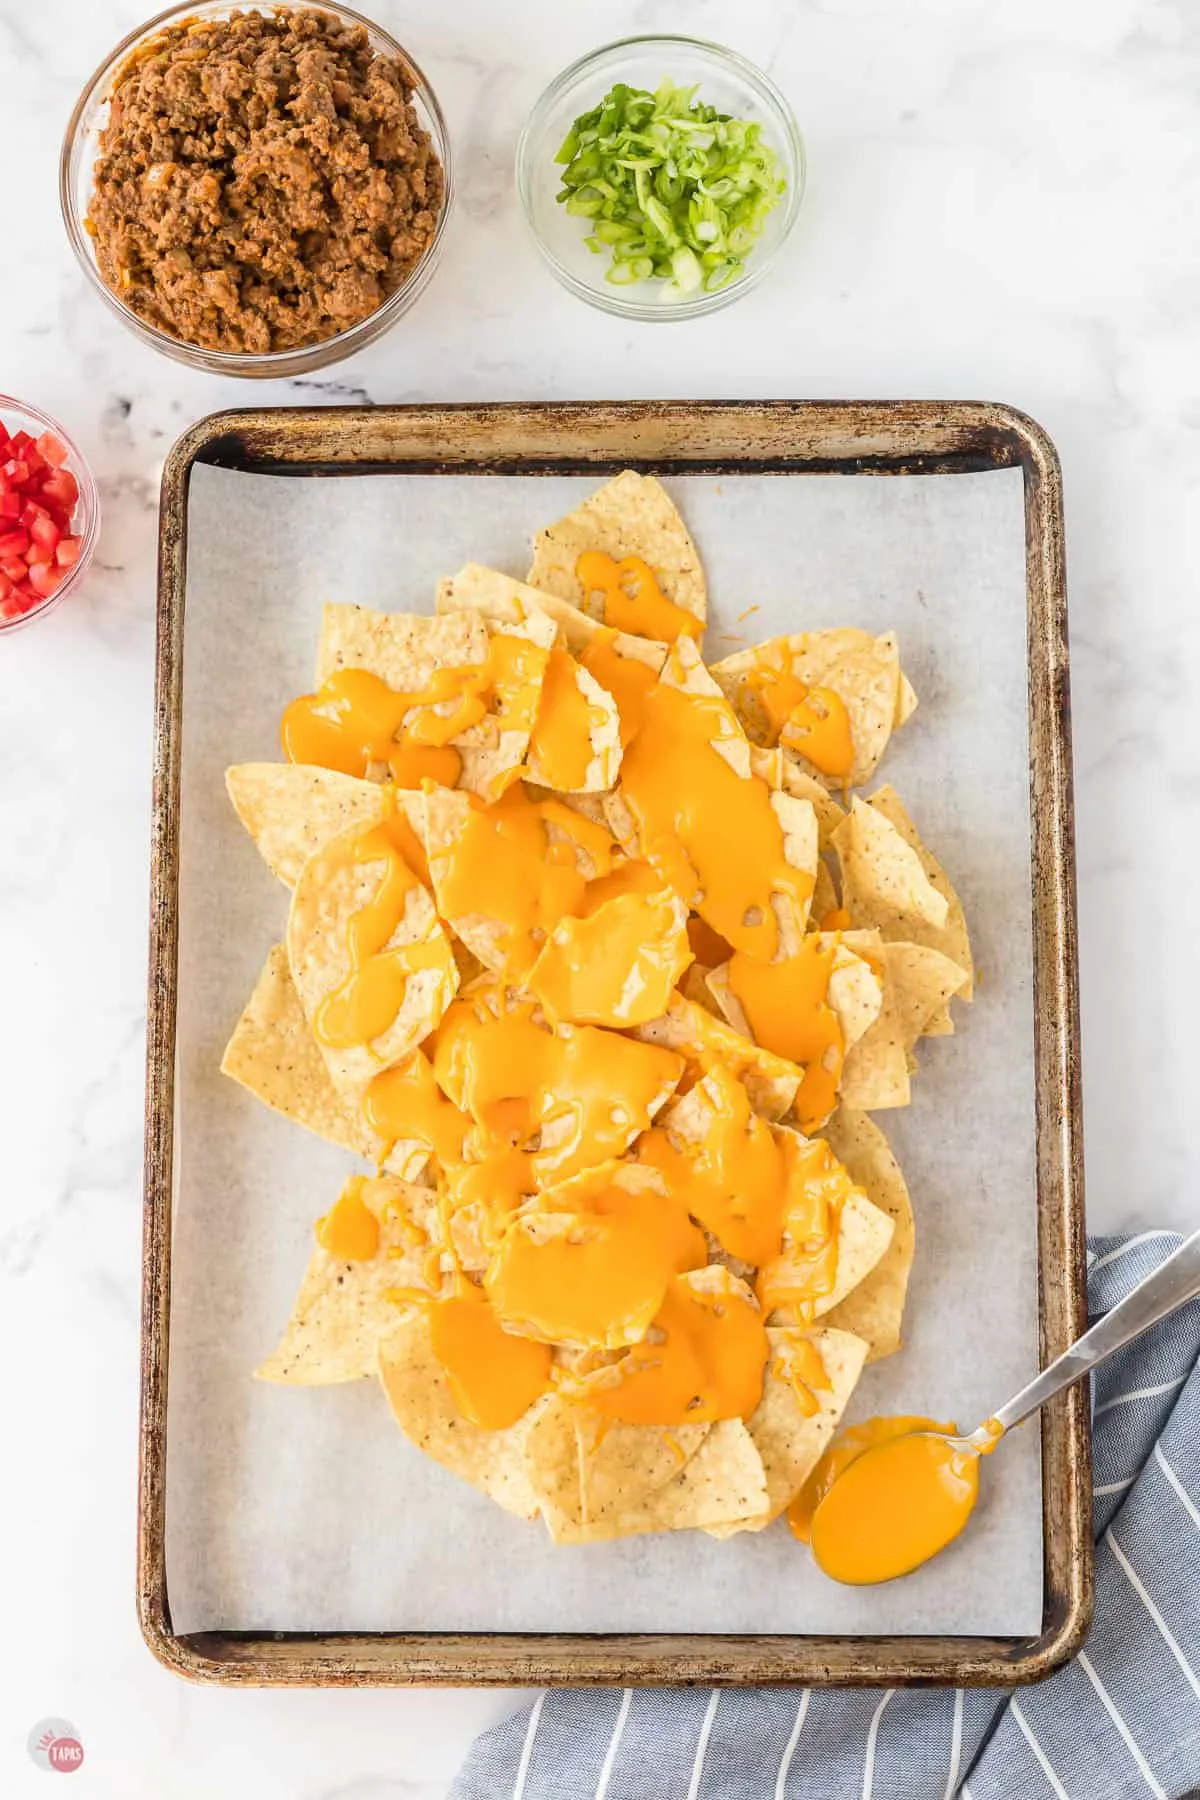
(49, 513)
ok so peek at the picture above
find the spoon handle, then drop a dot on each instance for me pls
(1172, 1283)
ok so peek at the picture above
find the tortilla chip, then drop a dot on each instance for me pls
(405, 649)
(623, 1464)
(770, 1080)
(627, 648)
(952, 937)
(604, 731)
(789, 1441)
(588, 806)
(864, 1235)
(621, 822)
(855, 991)
(632, 515)
(576, 982)
(641, 1077)
(585, 1469)
(884, 884)
(875, 1073)
(561, 1211)
(923, 982)
(445, 816)
(494, 751)
(917, 983)
(332, 887)
(344, 1308)
(721, 1484)
(291, 809)
(781, 768)
(798, 820)
(906, 701)
(419, 1395)
(446, 813)
(824, 898)
(694, 987)
(864, 1231)
(274, 1056)
(856, 988)
(864, 672)
(684, 669)
(468, 964)
(510, 604)
(554, 1462)
(506, 601)
(784, 1284)
(874, 1309)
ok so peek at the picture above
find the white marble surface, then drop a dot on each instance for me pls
(1002, 204)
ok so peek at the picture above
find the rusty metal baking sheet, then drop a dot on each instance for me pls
(303, 1511)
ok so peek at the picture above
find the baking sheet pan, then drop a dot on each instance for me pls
(305, 1512)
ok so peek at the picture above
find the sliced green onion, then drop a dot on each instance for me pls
(630, 269)
(722, 274)
(611, 231)
(673, 189)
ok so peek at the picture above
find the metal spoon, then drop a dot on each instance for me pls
(898, 1504)
(1173, 1283)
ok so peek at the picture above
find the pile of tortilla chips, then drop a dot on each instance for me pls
(515, 715)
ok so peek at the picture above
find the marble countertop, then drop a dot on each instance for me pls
(1001, 205)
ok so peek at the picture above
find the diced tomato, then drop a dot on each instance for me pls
(17, 598)
(38, 498)
(60, 489)
(52, 448)
(45, 532)
(44, 578)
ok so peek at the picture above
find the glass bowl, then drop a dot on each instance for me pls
(81, 146)
(18, 415)
(725, 80)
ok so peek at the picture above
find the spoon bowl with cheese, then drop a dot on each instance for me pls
(911, 1488)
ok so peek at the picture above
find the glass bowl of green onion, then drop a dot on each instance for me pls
(661, 176)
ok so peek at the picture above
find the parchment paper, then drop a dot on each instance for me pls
(305, 1508)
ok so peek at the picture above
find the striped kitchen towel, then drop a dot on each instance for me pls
(1121, 1721)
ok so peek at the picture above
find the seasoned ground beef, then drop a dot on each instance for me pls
(262, 182)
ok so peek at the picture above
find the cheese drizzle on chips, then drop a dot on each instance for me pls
(592, 952)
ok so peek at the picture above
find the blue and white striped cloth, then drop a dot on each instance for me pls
(1122, 1720)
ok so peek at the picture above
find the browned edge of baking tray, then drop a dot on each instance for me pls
(715, 437)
